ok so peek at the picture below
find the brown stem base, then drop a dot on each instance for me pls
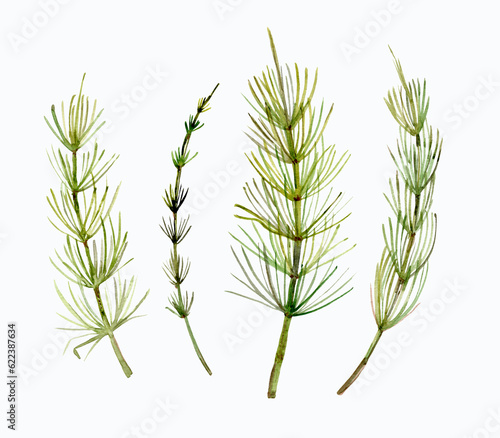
(362, 364)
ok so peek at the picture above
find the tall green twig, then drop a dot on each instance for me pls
(176, 230)
(409, 237)
(296, 228)
(81, 217)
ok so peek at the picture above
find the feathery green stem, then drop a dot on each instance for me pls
(81, 218)
(294, 276)
(299, 245)
(176, 269)
(401, 273)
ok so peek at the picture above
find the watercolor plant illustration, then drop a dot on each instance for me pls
(176, 268)
(83, 212)
(410, 235)
(288, 260)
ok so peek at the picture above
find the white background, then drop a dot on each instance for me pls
(434, 375)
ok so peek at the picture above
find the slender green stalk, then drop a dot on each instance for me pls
(126, 369)
(296, 229)
(294, 276)
(278, 360)
(80, 217)
(198, 352)
(400, 275)
(177, 229)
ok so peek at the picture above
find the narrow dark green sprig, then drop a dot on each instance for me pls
(409, 237)
(295, 220)
(177, 268)
(81, 216)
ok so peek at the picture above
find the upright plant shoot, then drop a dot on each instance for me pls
(176, 268)
(410, 235)
(82, 214)
(293, 211)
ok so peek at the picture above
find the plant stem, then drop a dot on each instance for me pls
(411, 240)
(278, 360)
(361, 365)
(176, 198)
(297, 245)
(126, 369)
(195, 345)
(395, 295)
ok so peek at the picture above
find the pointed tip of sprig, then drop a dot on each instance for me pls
(396, 60)
(81, 85)
(273, 48)
(215, 88)
(271, 40)
(270, 35)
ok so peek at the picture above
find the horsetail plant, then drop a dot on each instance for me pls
(81, 216)
(176, 230)
(410, 236)
(295, 228)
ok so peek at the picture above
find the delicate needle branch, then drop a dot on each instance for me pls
(409, 239)
(176, 229)
(81, 217)
(298, 249)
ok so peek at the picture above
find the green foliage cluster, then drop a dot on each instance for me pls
(290, 248)
(292, 207)
(81, 216)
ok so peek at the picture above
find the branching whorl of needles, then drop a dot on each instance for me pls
(410, 235)
(81, 217)
(296, 228)
(176, 268)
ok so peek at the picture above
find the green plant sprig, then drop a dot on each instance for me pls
(295, 228)
(176, 268)
(409, 237)
(81, 218)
